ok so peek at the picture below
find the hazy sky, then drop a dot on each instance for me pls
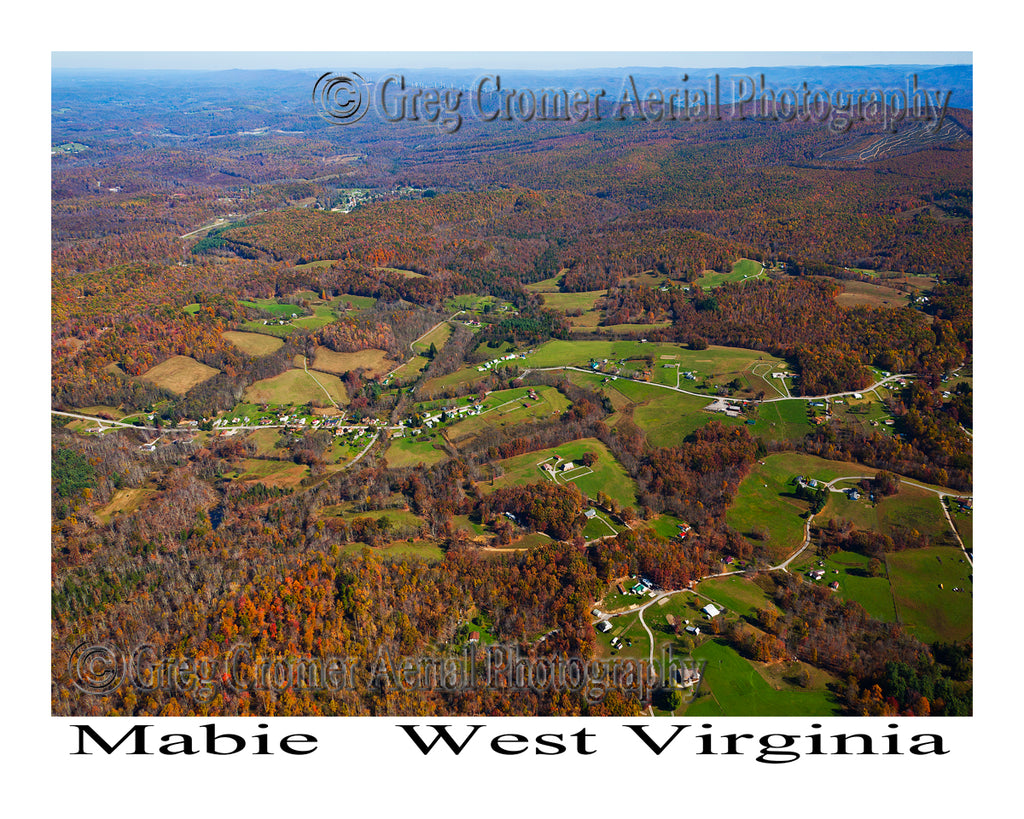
(491, 60)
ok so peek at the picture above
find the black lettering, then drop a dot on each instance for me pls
(441, 732)
(650, 743)
(139, 732)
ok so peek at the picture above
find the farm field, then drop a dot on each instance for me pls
(123, 502)
(712, 367)
(438, 337)
(547, 285)
(179, 374)
(910, 508)
(870, 294)
(606, 475)
(665, 525)
(102, 409)
(255, 344)
(732, 686)
(374, 361)
(283, 474)
(347, 301)
(295, 386)
(742, 270)
(932, 613)
(265, 441)
(274, 308)
(508, 408)
(739, 595)
(464, 375)
(563, 302)
(322, 314)
(414, 450)
(403, 549)
(855, 583)
(766, 498)
(413, 367)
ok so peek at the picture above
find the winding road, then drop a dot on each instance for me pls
(705, 395)
(783, 566)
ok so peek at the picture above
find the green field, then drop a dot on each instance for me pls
(666, 417)
(666, 525)
(929, 612)
(322, 314)
(415, 450)
(275, 308)
(506, 408)
(374, 362)
(178, 374)
(733, 687)
(297, 387)
(316, 264)
(411, 368)
(736, 594)
(667, 364)
(561, 302)
(599, 527)
(606, 475)
(742, 270)
(405, 549)
(349, 302)
(266, 440)
(910, 508)
(438, 337)
(775, 506)
(254, 344)
(547, 285)
(873, 593)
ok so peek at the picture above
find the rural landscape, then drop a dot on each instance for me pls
(614, 391)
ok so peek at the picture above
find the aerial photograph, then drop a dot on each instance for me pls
(511, 384)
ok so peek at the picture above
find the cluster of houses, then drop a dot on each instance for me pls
(430, 421)
(494, 362)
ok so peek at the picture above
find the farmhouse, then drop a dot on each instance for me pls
(694, 630)
(590, 514)
(685, 677)
(710, 610)
(567, 466)
(604, 626)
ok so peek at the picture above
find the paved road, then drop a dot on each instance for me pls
(733, 400)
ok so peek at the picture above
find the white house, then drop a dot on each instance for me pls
(710, 610)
